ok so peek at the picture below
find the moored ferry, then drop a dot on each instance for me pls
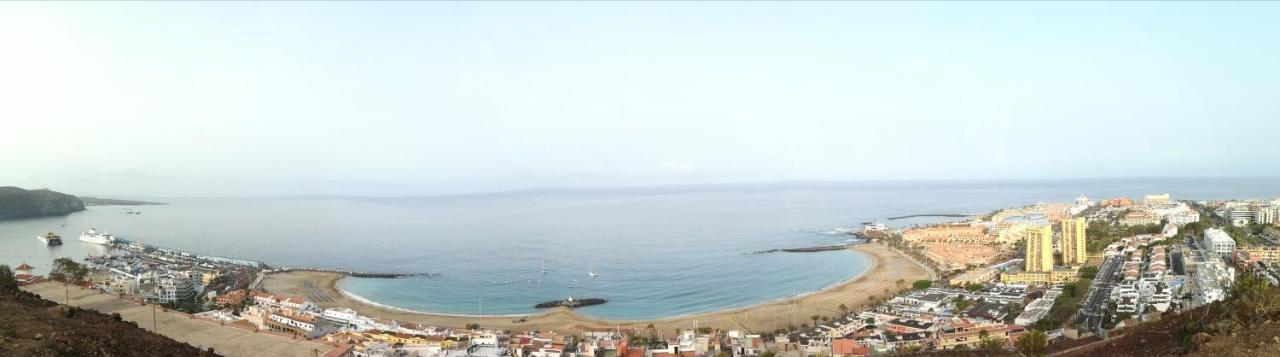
(873, 227)
(49, 238)
(95, 237)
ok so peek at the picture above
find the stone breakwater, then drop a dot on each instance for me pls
(365, 274)
(821, 248)
(570, 303)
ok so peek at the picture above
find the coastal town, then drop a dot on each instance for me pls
(1046, 276)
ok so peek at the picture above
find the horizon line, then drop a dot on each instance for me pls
(604, 187)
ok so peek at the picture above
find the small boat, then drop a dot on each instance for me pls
(543, 270)
(591, 272)
(49, 238)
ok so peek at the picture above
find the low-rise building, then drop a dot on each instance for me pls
(1136, 218)
(231, 298)
(1037, 309)
(1059, 275)
(293, 323)
(1255, 254)
(962, 332)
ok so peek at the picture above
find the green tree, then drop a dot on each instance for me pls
(1088, 272)
(962, 304)
(67, 270)
(1034, 343)
(975, 287)
(8, 283)
(922, 284)
(992, 344)
(1015, 309)
(844, 309)
(768, 354)
(815, 319)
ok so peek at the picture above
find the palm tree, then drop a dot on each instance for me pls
(815, 319)
(844, 309)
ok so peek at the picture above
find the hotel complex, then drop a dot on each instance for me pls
(1039, 248)
(1038, 263)
(1073, 241)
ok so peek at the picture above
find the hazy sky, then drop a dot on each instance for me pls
(420, 98)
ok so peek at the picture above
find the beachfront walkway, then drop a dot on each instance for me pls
(225, 340)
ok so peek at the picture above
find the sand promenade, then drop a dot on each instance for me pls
(882, 279)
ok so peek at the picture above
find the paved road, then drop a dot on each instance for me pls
(1095, 302)
(257, 281)
(225, 340)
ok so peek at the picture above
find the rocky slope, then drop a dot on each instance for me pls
(17, 202)
(31, 326)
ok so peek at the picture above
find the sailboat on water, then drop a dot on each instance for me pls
(543, 270)
(591, 271)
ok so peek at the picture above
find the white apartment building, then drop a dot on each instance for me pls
(1183, 217)
(1238, 215)
(349, 317)
(173, 288)
(1217, 241)
(295, 303)
(1266, 214)
(340, 314)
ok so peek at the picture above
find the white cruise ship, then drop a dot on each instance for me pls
(93, 236)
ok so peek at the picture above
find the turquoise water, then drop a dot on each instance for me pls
(660, 252)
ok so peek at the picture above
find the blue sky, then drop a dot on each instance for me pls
(420, 98)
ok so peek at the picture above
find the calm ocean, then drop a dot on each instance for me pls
(659, 251)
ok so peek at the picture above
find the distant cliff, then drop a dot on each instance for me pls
(17, 202)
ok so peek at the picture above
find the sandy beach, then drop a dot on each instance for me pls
(887, 268)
